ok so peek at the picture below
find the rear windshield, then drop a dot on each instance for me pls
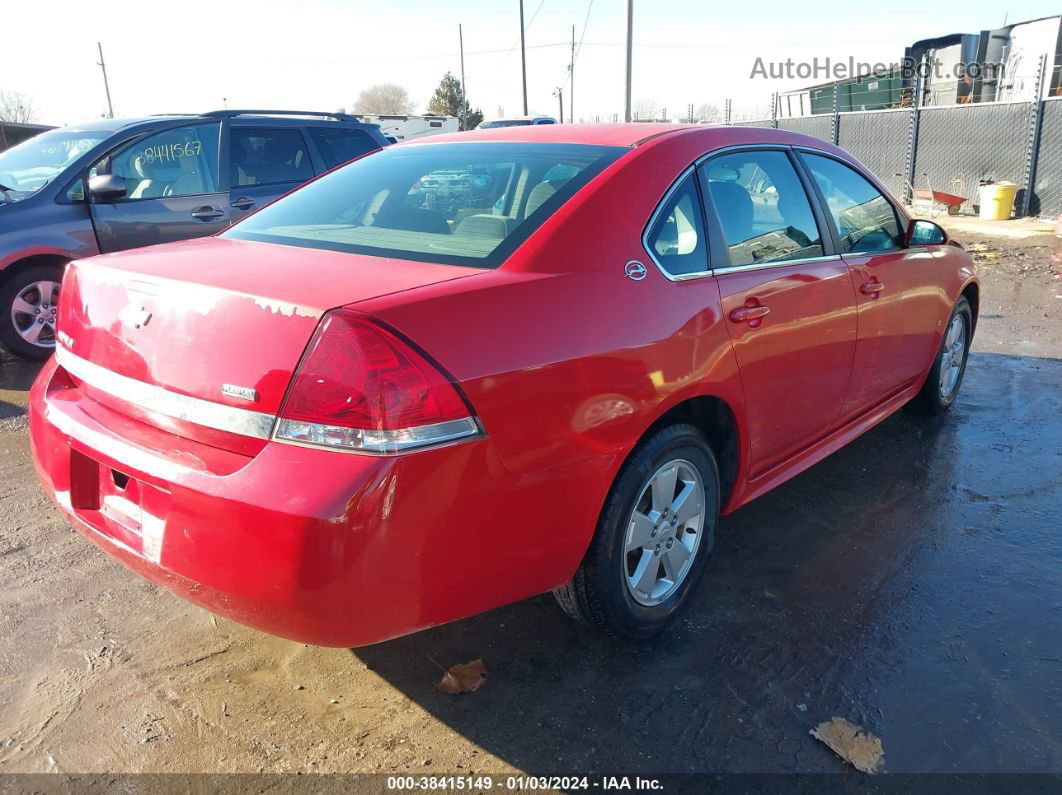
(455, 204)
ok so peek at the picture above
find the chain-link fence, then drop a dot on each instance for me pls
(952, 149)
(818, 126)
(960, 146)
(879, 139)
(1047, 190)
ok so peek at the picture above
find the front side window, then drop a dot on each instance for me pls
(179, 162)
(338, 146)
(676, 238)
(865, 220)
(460, 204)
(32, 164)
(762, 207)
(267, 157)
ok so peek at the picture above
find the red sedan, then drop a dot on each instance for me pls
(460, 372)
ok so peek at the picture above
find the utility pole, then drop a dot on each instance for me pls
(571, 81)
(523, 55)
(560, 99)
(106, 87)
(464, 88)
(630, 42)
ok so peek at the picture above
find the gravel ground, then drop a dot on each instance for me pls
(909, 584)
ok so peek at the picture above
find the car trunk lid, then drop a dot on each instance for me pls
(202, 337)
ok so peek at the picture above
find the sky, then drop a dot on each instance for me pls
(319, 54)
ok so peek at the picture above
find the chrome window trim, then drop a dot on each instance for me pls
(684, 277)
(652, 222)
(150, 397)
(783, 263)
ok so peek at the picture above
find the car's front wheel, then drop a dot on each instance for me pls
(653, 539)
(945, 377)
(28, 300)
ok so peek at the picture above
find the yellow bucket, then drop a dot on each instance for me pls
(997, 201)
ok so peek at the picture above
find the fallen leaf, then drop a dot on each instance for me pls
(852, 743)
(463, 678)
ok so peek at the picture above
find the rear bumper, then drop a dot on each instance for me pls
(321, 547)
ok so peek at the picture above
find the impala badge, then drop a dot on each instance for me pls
(241, 392)
(634, 270)
(135, 316)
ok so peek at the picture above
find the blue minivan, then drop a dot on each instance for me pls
(116, 184)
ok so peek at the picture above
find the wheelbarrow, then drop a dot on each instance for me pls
(927, 201)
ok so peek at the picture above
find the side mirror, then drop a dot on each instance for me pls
(925, 233)
(107, 187)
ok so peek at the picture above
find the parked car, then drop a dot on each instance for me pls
(357, 413)
(123, 183)
(515, 121)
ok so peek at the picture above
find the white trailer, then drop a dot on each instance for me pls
(403, 128)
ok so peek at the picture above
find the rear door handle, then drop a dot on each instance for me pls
(242, 203)
(207, 213)
(749, 314)
(871, 288)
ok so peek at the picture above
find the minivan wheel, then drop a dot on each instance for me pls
(945, 376)
(653, 539)
(28, 301)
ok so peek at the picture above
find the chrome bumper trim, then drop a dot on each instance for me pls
(162, 401)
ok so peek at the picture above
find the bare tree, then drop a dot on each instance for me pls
(708, 112)
(388, 98)
(17, 107)
(646, 108)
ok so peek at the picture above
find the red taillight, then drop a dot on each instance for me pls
(361, 387)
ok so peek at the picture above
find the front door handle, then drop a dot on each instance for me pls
(207, 213)
(871, 288)
(753, 315)
(242, 203)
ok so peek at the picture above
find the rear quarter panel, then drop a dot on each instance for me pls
(567, 361)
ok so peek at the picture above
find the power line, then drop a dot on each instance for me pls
(579, 46)
(516, 44)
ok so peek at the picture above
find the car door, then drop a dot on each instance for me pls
(787, 299)
(172, 190)
(895, 299)
(264, 163)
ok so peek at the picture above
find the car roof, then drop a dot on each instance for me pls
(594, 134)
(631, 134)
(279, 118)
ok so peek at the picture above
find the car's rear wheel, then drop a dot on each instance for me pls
(945, 377)
(28, 309)
(653, 539)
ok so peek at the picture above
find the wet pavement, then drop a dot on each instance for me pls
(911, 583)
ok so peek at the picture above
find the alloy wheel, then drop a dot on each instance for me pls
(664, 532)
(33, 313)
(952, 356)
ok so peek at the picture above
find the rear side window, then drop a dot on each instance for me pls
(676, 238)
(865, 219)
(266, 157)
(459, 204)
(762, 207)
(338, 146)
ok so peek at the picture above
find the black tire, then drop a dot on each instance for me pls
(11, 287)
(930, 400)
(598, 595)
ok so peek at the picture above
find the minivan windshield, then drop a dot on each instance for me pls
(32, 164)
(455, 204)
